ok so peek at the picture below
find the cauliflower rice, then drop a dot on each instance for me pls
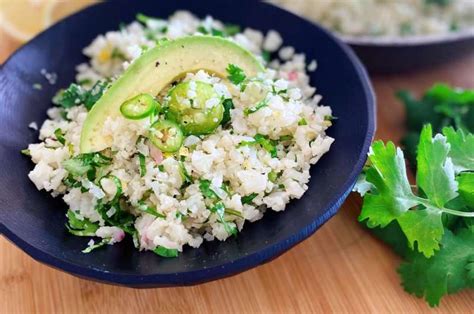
(387, 18)
(214, 183)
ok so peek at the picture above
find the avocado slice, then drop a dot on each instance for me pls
(156, 69)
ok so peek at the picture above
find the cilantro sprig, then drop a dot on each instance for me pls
(440, 106)
(235, 74)
(429, 223)
(76, 95)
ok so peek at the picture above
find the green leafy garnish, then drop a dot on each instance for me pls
(26, 152)
(441, 3)
(142, 206)
(80, 227)
(449, 271)
(247, 199)
(165, 252)
(219, 210)
(440, 106)
(228, 106)
(229, 211)
(392, 199)
(60, 136)
(205, 188)
(430, 223)
(94, 246)
(142, 164)
(266, 56)
(76, 95)
(272, 176)
(266, 143)
(187, 178)
(235, 74)
(256, 108)
(86, 164)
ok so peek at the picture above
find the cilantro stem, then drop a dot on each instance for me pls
(454, 212)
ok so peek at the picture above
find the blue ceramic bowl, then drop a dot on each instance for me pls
(34, 221)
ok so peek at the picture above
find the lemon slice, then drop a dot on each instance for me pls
(22, 19)
(58, 9)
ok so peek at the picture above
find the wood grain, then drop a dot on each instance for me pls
(340, 269)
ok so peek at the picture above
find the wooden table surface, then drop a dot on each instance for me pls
(341, 268)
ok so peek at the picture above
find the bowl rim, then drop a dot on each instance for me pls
(242, 263)
(408, 41)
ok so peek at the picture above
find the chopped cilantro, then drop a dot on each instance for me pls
(228, 106)
(141, 162)
(266, 143)
(235, 74)
(272, 176)
(60, 136)
(260, 105)
(266, 56)
(94, 246)
(248, 199)
(205, 188)
(161, 168)
(165, 252)
(80, 227)
(26, 152)
(142, 206)
(117, 54)
(229, 211)
(76, 95)
(219, 210)
(187, 178)
(86, 163)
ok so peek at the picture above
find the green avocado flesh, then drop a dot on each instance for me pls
(156, 69)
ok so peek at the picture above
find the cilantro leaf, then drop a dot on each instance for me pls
(228, 106)
(448, 271)
(435, 173)
(94, 246)
(206, 190)
(80, 227)
(219, 210)
(235, 74)
(466, 188)
(257, 107)
(266, 143)
(393, 195)
(462, 148)
(247, 199)
(60, 136)
(76, 95)
(165, 252)
(391, 198)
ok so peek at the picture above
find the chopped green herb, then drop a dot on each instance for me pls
(272, 176)
(60, 136)
(266, 55)
(229, 211)
(260, 105)
(26, 152)
(75, 95)
(235, 74)
(161, 168)
(118, 186)
(302, 122)
(84, 163)
(286, 138)
(231, 29)
(441, 3)
(80, 227)
(184, 174)
(141, 162)
(94, 246)
(219, 210)
(142, 18)
(228, 106)
(142, 206)
(248, 199)
(205, 188)
(117, 54)
(266, 143)
(84, 82)
(165, 252)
